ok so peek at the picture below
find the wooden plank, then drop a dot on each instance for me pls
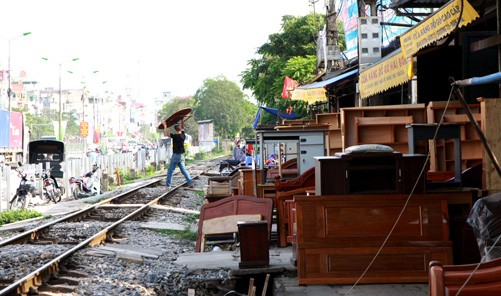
(491, 125)
(393, 120)
(461, 118)
(485, 43)
(227, 224)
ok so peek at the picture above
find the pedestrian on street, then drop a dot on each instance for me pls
(177, 158)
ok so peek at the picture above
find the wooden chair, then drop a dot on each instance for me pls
(284, 193)
(449, 279)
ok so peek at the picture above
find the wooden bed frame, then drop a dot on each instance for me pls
(448, 279)
(337, 236)
(234, 205)
(284, 193)
(287, 168)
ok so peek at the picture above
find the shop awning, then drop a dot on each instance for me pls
(315, 92)
(329, 81)
(438, 25)
(391, 71)
(274, 112)
(396, 69)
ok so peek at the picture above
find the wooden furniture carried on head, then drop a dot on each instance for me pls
(234, 205)
(368, 173)
(284, 193)
(338, 236)
(447, 280)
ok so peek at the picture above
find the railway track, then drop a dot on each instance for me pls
(37, 256)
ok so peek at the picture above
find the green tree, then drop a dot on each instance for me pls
(290, 52)
(224, 102)
(39, 125)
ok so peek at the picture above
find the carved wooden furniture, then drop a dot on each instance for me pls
(449, 279)
(368, 173)
(284, 192)
(288, 168)
(234, 205)
(337, 237)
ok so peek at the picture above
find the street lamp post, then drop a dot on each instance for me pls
(60, 132)
(9, 91)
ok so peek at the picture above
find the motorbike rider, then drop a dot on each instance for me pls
(238, 152)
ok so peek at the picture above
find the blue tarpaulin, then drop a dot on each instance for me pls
(275, 113)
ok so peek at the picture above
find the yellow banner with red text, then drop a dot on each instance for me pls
(383, 75)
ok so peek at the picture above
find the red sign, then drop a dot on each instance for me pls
(84, 129)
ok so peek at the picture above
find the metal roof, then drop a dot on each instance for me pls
(417, 3)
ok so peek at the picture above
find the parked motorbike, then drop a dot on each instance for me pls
(51, 189)
(86, 185)
(24, 192)
(227, 166)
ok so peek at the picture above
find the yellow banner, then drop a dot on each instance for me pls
(383, 75)
(438, 25)
(309, 95)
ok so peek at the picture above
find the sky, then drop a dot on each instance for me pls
(143, 47)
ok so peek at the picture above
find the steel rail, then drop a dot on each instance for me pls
(32, 234)
(37, 277)
(43, 273)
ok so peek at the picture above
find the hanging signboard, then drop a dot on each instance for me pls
(436, 26)
(84, 129)
(387, 73)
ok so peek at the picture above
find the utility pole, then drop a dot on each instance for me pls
(334, 58)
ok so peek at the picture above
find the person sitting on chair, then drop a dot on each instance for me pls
(272, 160)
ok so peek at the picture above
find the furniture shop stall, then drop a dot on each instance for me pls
(301, 142)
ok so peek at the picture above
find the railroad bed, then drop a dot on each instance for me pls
(113, 247)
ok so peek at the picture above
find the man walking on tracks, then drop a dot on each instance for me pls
(177, 158)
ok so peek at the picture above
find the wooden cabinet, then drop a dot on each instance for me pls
(254, 244)
(442, 151)
(337, 236)
(248, 178)
(333, 137)
(364, 173)
(381, 125)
